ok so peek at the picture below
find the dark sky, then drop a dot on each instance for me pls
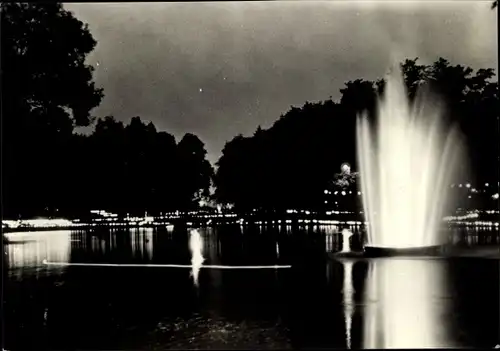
(220, 69)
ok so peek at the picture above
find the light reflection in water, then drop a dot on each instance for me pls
(149, 242)
(142, 243)
(196, 248)
(331, 237)
(402, 309)
(348, 294)
(28, 250)
(134, 238)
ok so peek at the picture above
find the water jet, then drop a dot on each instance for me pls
(406, 160)
(346, 251)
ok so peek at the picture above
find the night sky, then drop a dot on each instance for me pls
(220, 69)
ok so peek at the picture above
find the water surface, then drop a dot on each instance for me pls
(318, 303)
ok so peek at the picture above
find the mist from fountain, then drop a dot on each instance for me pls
(406, 161)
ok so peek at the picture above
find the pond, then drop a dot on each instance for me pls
(317, 303)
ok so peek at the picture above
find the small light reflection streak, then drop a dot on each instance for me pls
(348, 293)
(196, 248)
(149, 243)
(402, 306)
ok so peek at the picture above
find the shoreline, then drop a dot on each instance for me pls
(189, 222)
(197, 222)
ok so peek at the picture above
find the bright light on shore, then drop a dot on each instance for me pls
(38, 223)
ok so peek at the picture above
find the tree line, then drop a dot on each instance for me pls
(49, 169)
(293, 162)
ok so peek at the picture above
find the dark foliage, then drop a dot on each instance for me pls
(49, 170)
(294, 161)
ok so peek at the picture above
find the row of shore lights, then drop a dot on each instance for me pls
(343, 193)
(467, 185)
(474, 190)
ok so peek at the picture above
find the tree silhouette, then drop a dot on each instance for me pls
(288, 165)
(162, 173)
(235, 179)
(49, 170)
(194, 172)
(107, 146)
(359, 95)
(50, 90)
(43, 62)
(294, 161)
(138, 169)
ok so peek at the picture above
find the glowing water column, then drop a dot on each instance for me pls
(346, 234)
(406, 162)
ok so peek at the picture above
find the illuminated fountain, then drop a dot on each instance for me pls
(405, 162)
(196, 248)
(346, 252)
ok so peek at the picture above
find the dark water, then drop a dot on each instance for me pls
(318, 303)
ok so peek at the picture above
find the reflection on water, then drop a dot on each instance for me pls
(196, 248)
(142, 243)
(404, 304)
(26, 251)
(348, 293)
(349, 303)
